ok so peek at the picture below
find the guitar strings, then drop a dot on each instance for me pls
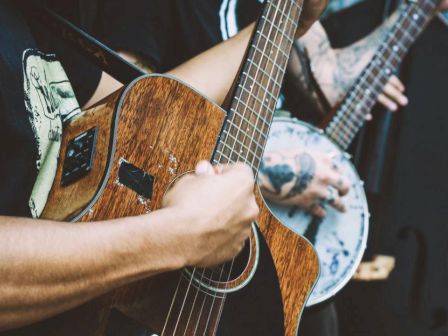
(277, 11)
(219, 159)
(279, 31)
(260, 90)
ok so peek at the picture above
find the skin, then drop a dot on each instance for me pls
(35, 253)
(312, 171)
(336, 70)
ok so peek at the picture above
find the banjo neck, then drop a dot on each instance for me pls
(350, 117)
(258, 86)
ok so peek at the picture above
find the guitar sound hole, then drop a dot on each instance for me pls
(223, 277)
(230, 270)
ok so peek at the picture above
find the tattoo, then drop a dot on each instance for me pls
(351, 61)
(336, 70)
(278, 175)
(305, 176)
(281, 174)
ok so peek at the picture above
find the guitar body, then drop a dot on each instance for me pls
(148, 135)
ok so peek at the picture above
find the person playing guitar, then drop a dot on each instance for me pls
(37, 256)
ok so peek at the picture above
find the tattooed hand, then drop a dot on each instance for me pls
(302, 178)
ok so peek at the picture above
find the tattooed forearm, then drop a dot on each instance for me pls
(335, 70)
(351, 60)
(300, 174)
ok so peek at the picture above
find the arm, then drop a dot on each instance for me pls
(335, 70)
(49, 267)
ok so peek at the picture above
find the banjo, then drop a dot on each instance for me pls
(340, 238)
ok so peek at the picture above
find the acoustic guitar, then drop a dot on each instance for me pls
(340, 238)
(120, 157)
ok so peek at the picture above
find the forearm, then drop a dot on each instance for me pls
(49, 267)
(335, 70)
(212, 72)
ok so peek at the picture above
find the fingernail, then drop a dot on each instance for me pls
(393, 107)
(203, 168)
(404, 100)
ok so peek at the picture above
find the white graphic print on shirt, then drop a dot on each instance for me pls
(50, 101)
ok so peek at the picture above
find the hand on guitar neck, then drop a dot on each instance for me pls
(305, 179)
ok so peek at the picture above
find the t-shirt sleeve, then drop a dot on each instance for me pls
(143, 27)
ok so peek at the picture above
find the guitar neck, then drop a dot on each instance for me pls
(258, 85)
(413, 18)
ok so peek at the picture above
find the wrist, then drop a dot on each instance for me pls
(173, 229)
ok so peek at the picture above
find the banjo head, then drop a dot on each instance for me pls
(340, 239)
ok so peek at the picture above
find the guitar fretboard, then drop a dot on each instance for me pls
(258, 86)
(413, 17)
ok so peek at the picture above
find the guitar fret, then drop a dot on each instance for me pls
(255, 129)
(234, 157)
(282, 12)
(270, 45)
(271, 60)
(239, 155)
(248, 122)
(260, 119)
(244, 153)
(271, 96)
(421, 13)
(288, 19)
(276, 84)
(235, 138)
(258, 100)
(259, 85)
(408, 36)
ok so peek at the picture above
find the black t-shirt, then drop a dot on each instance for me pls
(169, 32)
(18, 150)
(35, 99)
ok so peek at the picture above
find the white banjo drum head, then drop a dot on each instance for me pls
(340, 238)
